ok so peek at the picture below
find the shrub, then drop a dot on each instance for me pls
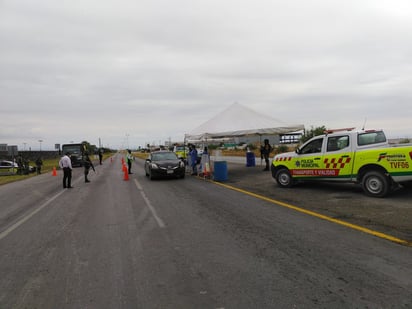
(405, 141)
(281, 149)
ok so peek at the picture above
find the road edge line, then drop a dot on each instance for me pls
(318, 215)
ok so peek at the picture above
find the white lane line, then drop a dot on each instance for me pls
(27, 217)
(149, 205)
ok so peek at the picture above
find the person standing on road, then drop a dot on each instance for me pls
(265, 151)
(65, 163)
(87, 163)
(193, 159)
(100, 156)
(129, 159)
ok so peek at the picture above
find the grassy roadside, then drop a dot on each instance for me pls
(140, 155)
(46, 168)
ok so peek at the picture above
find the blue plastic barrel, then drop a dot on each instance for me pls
(220, 170)
(250, 159)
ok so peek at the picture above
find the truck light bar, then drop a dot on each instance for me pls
(338, 130)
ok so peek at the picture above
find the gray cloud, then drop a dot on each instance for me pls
(75, 70)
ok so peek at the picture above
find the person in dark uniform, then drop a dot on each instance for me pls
(20, 165)
(87, 163)
(265, 151)
(100, 156)
(39, 163)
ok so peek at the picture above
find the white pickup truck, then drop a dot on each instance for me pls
(346, 155)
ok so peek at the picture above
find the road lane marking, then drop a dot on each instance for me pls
(318, 215)
(149, 205)
(28, 216)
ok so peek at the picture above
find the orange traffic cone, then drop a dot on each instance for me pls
(54, 173)
(126, 174)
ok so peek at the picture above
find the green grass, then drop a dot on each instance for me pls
(46, 168)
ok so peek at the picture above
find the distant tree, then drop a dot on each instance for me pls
(281, 149)
(312, 132)
(405, 141)
(252, 146)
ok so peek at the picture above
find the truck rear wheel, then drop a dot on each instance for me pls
(283, 178)
(376, 184)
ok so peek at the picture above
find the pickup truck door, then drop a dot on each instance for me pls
(309, 160)
(338, 157)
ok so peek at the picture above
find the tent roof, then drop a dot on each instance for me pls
(238, 120)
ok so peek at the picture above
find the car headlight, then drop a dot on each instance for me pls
(155, 166)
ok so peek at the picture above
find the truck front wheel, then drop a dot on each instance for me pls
(376, 184)
(283, 178)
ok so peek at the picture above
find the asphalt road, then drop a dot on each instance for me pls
(390, 215)
(184, 243)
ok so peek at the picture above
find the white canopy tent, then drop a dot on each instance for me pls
(237, 121)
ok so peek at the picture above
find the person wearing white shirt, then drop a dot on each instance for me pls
(65, 163)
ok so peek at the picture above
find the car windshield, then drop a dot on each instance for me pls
(161, 156)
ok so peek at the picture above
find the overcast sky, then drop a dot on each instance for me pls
(146, 71)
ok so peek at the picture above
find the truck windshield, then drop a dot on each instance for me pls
(370, 138)
(75, 149)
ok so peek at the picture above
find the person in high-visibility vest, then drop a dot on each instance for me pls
(129, 159)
